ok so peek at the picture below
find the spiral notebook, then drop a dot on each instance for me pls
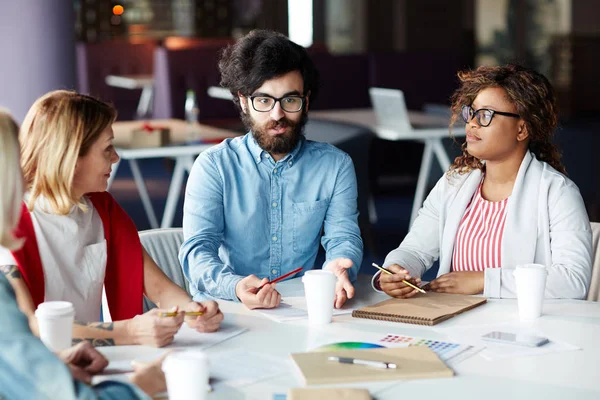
(423, 309)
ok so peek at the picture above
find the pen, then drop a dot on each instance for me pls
(283, 277)
(368, 363)
(403, 280)
(187, 313)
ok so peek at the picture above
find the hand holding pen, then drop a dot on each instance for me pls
(397, 282)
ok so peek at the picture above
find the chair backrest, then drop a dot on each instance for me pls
(594, 292)
(390, 108)
(163, 246)
(195, 68)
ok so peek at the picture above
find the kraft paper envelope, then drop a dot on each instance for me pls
(328, 394)
(416, 362)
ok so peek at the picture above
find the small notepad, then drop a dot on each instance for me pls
(423, 309)
(412, 362)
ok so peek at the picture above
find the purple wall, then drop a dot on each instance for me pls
(37, 43)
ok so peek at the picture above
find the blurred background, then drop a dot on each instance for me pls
(147, 56)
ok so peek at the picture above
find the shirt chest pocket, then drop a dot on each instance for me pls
(94, 262)
(307, 223)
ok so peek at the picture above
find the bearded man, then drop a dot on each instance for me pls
(257, 206)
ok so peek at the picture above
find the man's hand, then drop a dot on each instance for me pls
(247, 291)
(149, 376)
(151, 329)
(83, 360)
(211, 317)
(462, 282)
(392, 284)
(343, 288)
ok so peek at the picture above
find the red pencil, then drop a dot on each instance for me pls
(282, 277)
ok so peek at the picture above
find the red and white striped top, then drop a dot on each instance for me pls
(479, 238)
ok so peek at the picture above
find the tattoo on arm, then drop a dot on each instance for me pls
(11, 271)
(97, 342)
(105, 326)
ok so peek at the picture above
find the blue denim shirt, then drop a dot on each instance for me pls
(28, 370)
(246, 214)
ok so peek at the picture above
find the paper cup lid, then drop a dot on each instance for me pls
(55, 309)
(177, 358)
(317, 274)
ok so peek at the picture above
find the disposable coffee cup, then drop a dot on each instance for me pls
(55, 323)
(187, 374)
(531, 284)
(319, 289)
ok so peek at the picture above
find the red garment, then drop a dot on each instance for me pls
(124, 277)
(478, 242)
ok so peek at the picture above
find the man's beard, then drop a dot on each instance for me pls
(279, 144)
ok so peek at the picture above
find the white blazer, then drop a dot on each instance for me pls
(546, 223)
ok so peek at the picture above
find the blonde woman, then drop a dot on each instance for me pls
(19, 348)
(79, 241)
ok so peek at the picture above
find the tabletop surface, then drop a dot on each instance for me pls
(570, 374)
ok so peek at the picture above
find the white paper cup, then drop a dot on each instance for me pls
(186, 373)
(319, 289)
(531, 284)
(55, 322)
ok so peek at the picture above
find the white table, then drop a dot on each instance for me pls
(131, 82)
(566, 375)
(429, 129)
(182, 153)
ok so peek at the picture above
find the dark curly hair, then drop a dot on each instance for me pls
(533, 96)
(262, 55)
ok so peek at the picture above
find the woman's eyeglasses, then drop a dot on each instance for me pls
(484, 116)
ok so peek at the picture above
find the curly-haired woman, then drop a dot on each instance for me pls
(506, 201)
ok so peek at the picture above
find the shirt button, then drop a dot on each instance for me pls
(290, 163)
(274, 204)
(274, 238)
(274, 272)
(275, 170)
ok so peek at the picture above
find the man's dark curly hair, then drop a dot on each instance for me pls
(262, 55)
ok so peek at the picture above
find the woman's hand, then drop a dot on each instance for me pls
(392, 284)
(461, 282)
(211, 317)
(83, 360)
(151, 329)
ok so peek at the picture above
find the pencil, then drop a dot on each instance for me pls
(403, 280)
(187, 313)
(283, 277)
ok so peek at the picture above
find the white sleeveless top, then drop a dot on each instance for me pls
(73, 253)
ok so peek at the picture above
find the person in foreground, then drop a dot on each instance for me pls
(78, 240)
(506, 201)
(28, 370)
(255, 205)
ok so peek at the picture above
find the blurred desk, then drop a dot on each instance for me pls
(182, 152)
(427, 128)
(144, 82)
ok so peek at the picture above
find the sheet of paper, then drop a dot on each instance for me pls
(189, 338)
(294, 308)
(237, 368)
(186, 338)
(494, 351)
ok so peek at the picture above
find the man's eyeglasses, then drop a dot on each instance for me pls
(265, 103)
(484, 116)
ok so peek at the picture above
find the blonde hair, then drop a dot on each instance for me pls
(59, 128)
(11, 193)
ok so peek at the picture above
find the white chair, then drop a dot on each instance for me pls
(594, 292)
(393, 123)
(163, 246)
